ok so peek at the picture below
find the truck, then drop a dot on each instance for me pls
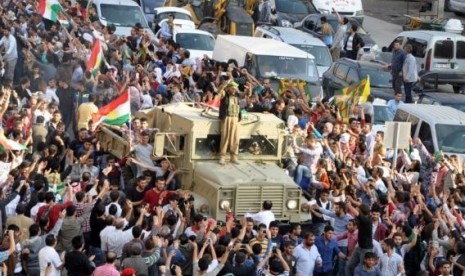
(189, 137)
(269, 58)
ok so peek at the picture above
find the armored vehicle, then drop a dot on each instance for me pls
(190, 137)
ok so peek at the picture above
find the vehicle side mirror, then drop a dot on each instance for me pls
(385, 49)
(273, 11)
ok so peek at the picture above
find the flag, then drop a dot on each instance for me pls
(7, 144)
(352, 95)
(117, 112)
(298, 87)
(96, 58)
(49, 9)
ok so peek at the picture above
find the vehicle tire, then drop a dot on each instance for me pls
(458, 89)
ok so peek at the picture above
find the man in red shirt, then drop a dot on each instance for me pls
(157, 196)
(53, 209)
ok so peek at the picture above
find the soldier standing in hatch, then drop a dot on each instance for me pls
(230, 115)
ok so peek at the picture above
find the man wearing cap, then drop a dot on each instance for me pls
(230, 115)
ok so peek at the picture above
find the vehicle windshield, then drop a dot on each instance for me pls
(451, 138)
(378, 78)
(150, 5)
(195, 41)
(458, 106)
(255, 146)
(321, 53)
(382, 114)
(286, 6)
(177, 15)
(125, 16)
(287, 68)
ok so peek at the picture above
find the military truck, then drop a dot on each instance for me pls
(190, 137)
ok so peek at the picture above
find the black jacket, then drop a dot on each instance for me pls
(224, 105)
(357, 42)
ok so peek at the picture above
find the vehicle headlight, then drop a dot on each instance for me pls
(292, 204)
(359, 13)
(324, 11)
(286, 23)
(224, 204)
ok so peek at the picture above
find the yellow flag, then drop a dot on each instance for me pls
(352, 95)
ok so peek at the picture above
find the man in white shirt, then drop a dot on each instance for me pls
(307, 256)
(391, 263)
(49, 256)
(10, 57)
(143, 152)
(50, 93)
(265, 216)
(116, 239)
(394, 103)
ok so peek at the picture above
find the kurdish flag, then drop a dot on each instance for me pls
(117, 112)
(49, 9)
(7, 144)
(96, 58)
(352, 95)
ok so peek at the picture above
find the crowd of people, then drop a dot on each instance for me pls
(70, 207)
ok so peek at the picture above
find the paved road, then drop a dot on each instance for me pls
(381, 31)
(393, 11)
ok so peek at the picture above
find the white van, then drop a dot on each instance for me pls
(353, 8)
(438, 127)
(124, 14)
(440, 56)
(269, 58)
(301, 40)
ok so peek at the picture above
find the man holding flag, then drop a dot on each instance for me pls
(350, 96)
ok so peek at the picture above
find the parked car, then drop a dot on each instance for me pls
(198, 42)
(124, 14)
(456, 101)
(301, 40)
(344, 72)
(287, 12)
(440, 56)
(352, 9)
(148, 7)
(381, 114)
(440, 128)
(456, 6)
(312, 25)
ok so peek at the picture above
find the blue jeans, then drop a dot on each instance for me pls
(408, 92)
(303, 177)
(341, 264)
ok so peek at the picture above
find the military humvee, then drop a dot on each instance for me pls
(190, 138)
